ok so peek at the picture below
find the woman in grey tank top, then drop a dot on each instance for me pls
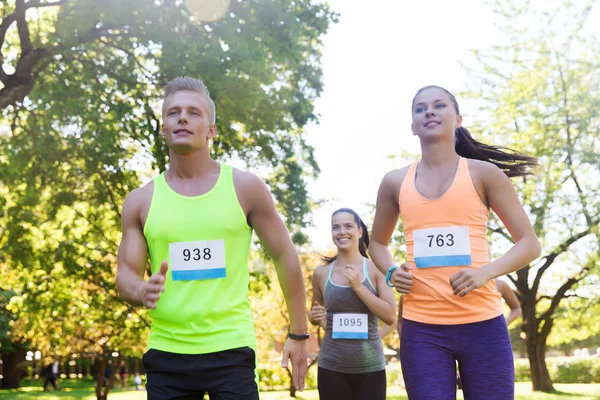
(349, 297)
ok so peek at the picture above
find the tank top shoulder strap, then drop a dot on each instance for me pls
(160, 181)
(366, 272)
(407, 189)
(328, 276)
(463, 186)
(226, 173)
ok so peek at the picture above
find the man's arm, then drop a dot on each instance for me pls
(131, 257)
(262, 216)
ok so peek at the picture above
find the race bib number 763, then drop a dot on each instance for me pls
(446, 246)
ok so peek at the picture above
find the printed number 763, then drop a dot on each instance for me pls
(440, 241)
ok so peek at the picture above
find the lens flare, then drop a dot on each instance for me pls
(208, 10)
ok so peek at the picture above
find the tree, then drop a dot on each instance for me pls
(83, 130)
(539, 94)
(576, 323)
(261, 63)
(44, 36)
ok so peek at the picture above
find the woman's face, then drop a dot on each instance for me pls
(345, 233)
(434, 115)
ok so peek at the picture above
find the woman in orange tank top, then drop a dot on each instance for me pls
(452, 310)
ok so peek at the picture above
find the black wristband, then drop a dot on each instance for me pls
(298, 337)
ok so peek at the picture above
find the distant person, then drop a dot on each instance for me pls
(511, 300)
(137, 381)
(107, 373)
(123, 374)
(51, 374)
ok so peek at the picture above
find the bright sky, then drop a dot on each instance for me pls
(374, 60)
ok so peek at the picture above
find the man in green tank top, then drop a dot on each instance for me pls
(195, 223)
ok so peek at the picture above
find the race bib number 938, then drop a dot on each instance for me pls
(197, 260)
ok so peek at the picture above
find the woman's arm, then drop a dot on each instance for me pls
(503, 199)
(382, 305)
(316, 314)
(386, 218)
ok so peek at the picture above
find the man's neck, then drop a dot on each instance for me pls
(190, 166)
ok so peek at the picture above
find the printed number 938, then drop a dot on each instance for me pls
(196, 254)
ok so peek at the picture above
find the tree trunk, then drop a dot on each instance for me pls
(536, 353)
(103, 390)
(11, 369)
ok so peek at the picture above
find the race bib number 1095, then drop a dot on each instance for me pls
(350, 326)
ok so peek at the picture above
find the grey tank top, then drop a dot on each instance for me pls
(352, 356)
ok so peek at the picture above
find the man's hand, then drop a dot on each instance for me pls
(149, 291)
(402, 278)
(295, 350)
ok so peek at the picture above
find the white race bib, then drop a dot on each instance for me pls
(447, 246)
(350, 326)
(191, 261)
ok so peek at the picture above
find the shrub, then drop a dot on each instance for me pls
(563, 370)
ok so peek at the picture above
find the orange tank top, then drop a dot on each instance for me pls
(443, 236)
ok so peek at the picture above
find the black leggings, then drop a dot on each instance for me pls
(338, 385)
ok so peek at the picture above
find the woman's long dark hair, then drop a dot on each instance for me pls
(363, 241)
(511, 162)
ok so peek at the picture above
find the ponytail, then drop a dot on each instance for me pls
(363, 241)
(511, 162)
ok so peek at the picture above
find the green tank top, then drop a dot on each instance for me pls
(206, 240)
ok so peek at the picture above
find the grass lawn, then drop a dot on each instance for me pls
(77, 389)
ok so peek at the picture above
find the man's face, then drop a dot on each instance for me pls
(187, 124)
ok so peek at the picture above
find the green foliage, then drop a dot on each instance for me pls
(576, 321)
(563, 370)
(522, 370)
(7, 317)
(577, 371)
(87, 132)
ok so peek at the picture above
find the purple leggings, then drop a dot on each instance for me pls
(429, 353)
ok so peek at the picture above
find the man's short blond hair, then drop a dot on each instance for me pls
(194, 85)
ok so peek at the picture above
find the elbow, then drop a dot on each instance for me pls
(391, 321)
(373, 248)
(536, 248)
(118, 284)
(390, 317)
(518, 312)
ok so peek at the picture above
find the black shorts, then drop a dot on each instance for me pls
(339, 385)
(225, 375)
